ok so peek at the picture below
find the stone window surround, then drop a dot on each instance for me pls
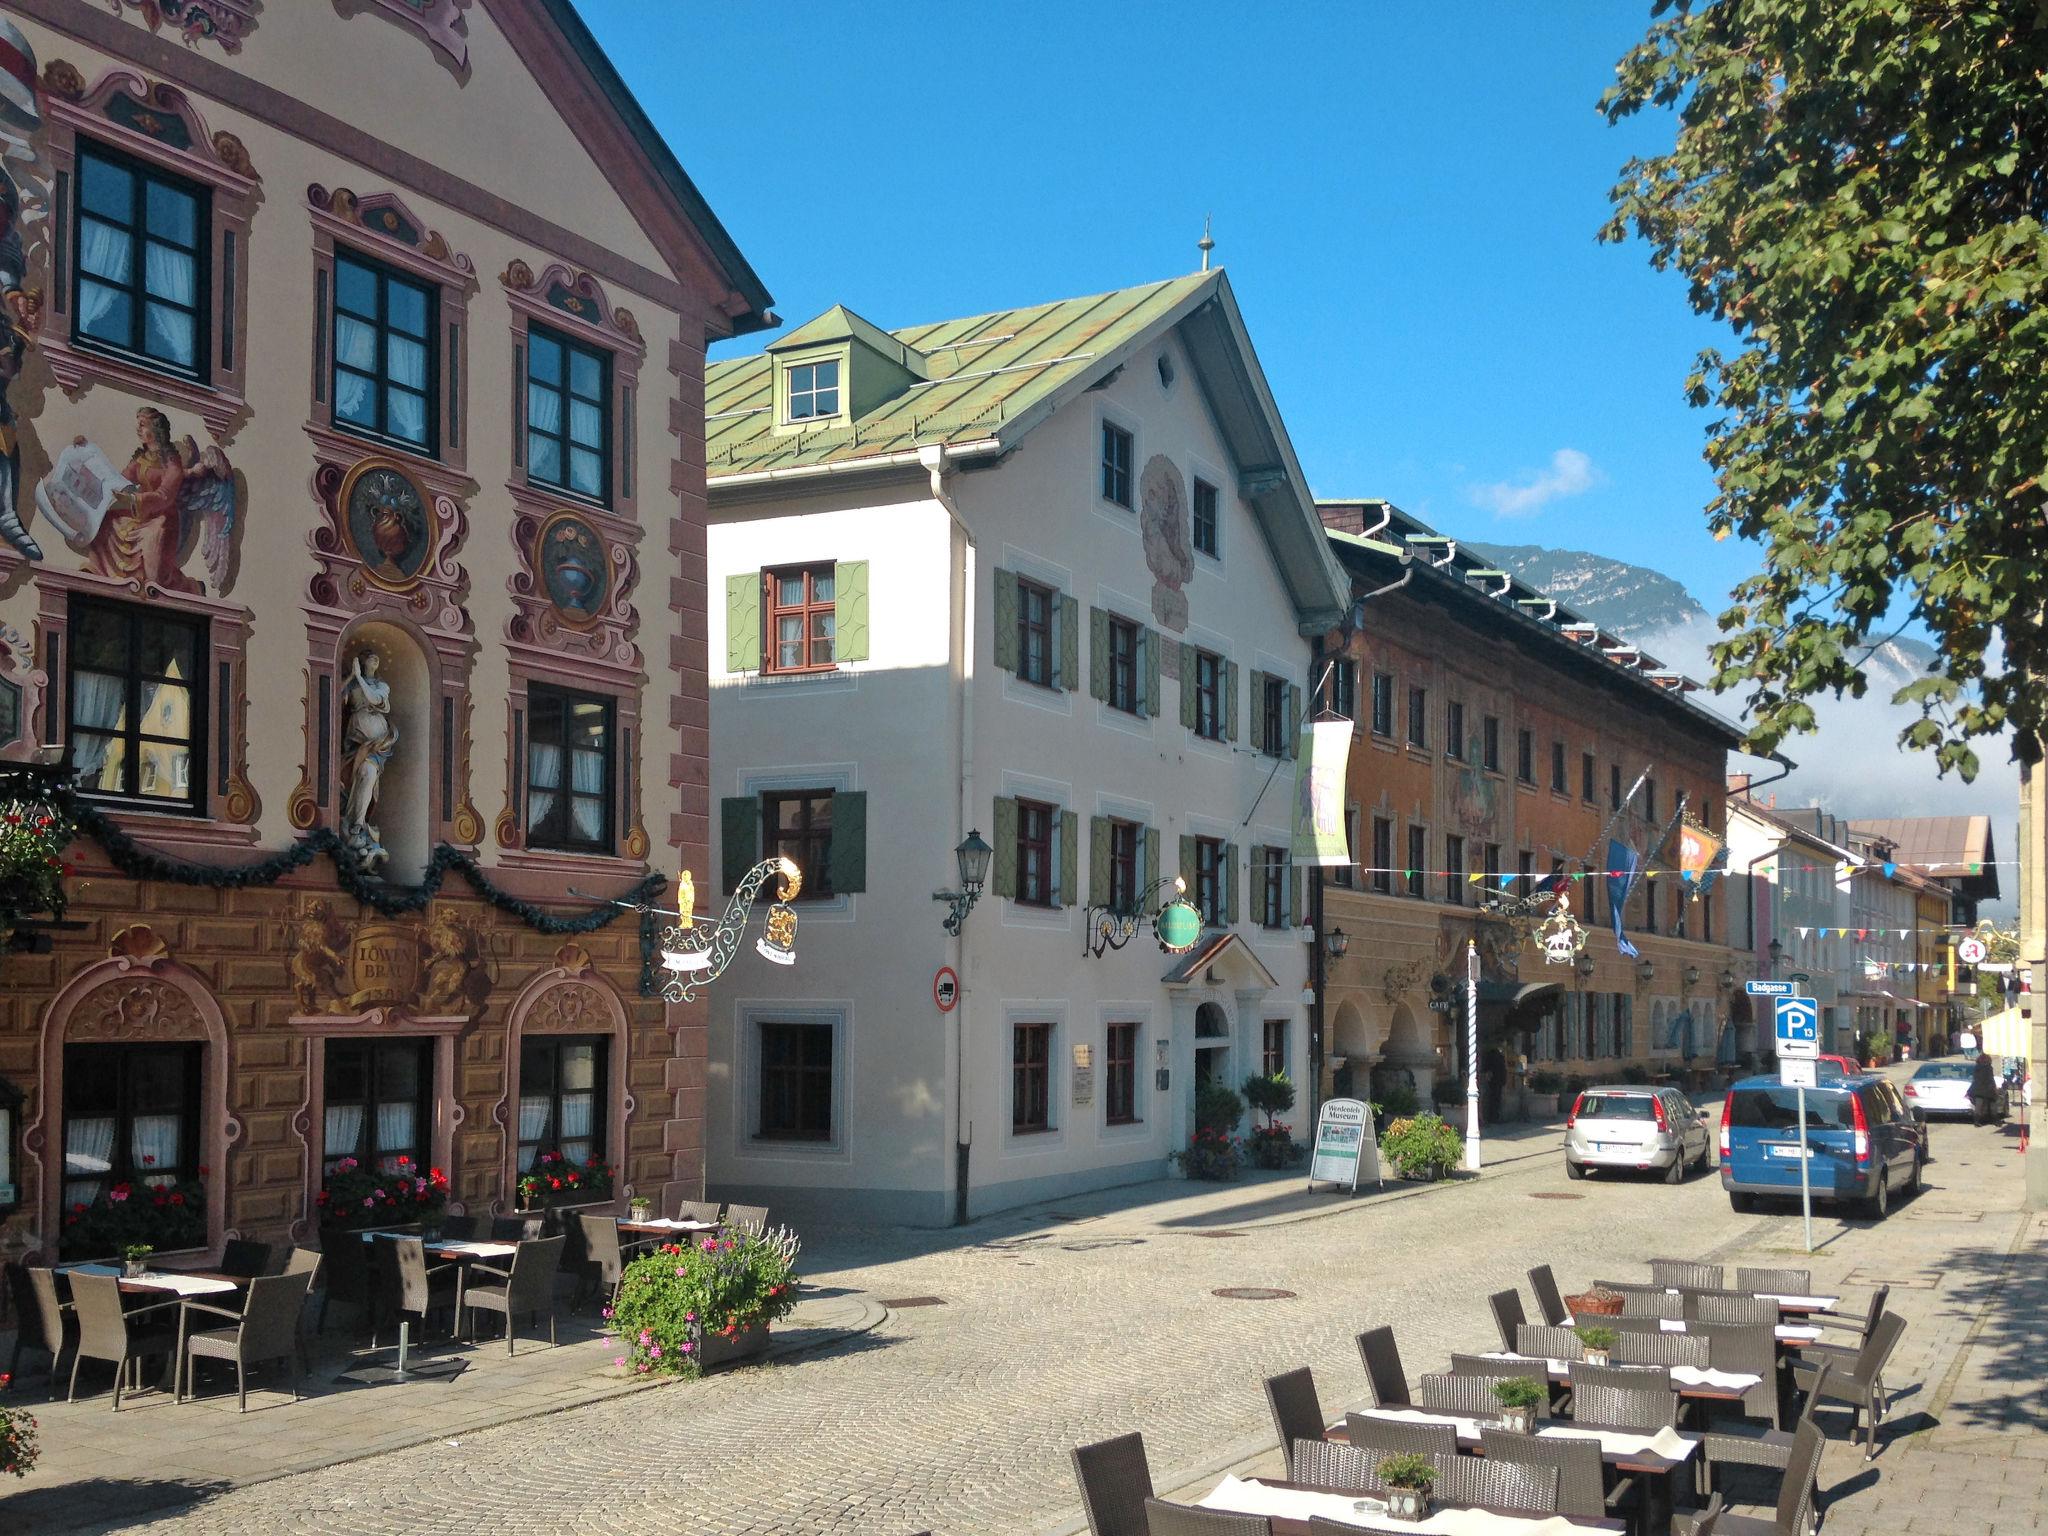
(572, 969)
(1016, 1143)
(748, 1015)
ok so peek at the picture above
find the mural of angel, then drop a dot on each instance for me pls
(141, 523)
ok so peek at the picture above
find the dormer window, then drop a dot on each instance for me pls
(814, 389)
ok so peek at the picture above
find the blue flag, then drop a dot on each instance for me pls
(1621, 878)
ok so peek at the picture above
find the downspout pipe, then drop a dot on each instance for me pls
(934, 459)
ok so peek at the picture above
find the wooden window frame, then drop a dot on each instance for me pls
(135, 617)
(1031, 1043)
(1418, 860)
(1211, 873)
(380, 380)
(773, 609)
(145, 171)
(565, 841)
(122, 1168)
(365, 1152)
(836, 389)
(812, 846)
(600, 1090)
(1271, 864)
(1211, 718)
(1273, 713)
(1126, 855)
(799, 1078)
(1041, 842)
(1339, 694)
(1119, 457)
(572, 347)
(1273, 1046)
(1525, 756)
(1383, 855)
(1418, 717)
(1125, 685)
(1205, 491)
(1490, 749)
(1454, 730)
(1454, 869)
(1041, 628)
(1383, 705)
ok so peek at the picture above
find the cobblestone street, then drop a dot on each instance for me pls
(1054, 1327)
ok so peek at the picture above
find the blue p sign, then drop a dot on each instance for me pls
(1798, 1020)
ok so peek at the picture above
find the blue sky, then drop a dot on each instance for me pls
(1405, 196)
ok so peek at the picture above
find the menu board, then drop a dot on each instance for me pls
(1347, 1148)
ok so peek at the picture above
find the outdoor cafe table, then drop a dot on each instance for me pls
(455, 1250)
(1691, 1382)
(1290, 1506)
(164, 1282)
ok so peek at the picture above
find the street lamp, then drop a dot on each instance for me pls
(1726, 979)
(1337, 942)
(1585, 967)
(1646, 972)
(972, 856)
(1692, 977)
(1776, 951)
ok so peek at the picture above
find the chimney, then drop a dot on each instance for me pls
(1344, 516)
(1738, 784)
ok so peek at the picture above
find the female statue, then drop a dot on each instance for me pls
(368, 740)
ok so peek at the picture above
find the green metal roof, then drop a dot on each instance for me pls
(987, 376)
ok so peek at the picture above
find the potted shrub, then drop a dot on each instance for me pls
(1272, 1145)
(639, 1208)
(687, 1307)
(354, 1198)
(1408, 1478)
(1598, 1342)
(18, 1448)
(135, 1259)
(1212, 1155)
(1422, 1147)
(1544, 1088)
(1520, 1396)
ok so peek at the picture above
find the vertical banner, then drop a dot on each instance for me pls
(1622, 863)
(1320, 761)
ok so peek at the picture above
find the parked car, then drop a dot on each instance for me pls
(1636, 1127)
(1863, 1142)
(1850, 1067)
(1943, 1088)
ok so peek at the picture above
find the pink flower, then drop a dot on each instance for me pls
(618, 1359)
(118, 1193)
(646, 1338)
(679, 1271)
(655, 1353)
(607, 1312)
(689, 1317)
(643, 1367)
(710, 1246)
(688, 1347)
(367, 1200)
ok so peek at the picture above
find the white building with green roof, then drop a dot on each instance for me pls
(1045, 576)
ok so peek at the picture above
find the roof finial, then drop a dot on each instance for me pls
(1205, 245)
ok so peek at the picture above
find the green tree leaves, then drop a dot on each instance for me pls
(1859, 190)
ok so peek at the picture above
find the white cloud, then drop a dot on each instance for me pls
(1570, 474)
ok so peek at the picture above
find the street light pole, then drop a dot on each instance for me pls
(1472, 1055)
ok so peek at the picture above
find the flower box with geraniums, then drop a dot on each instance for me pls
(167, 1216)
(355, 1198)
(1408, 1478)
(1598, 1342)
(555, 1181)
(1422, 1147)
(32, 868)
(687, 1307)
(1520, 1397)
(18, 1448)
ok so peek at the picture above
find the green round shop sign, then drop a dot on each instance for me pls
(1178, 926)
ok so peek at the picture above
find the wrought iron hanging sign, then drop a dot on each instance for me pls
(693, 962)
(1176, 924)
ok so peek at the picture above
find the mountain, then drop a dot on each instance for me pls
(1650, 608)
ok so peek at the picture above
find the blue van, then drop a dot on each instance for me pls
(1864, 1142)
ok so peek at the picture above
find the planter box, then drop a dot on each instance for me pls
(719, 1350)
(1539, 1106)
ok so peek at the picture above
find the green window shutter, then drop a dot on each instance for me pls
(1187, 685)
(1259, 710)
(1006, 620)
(1098, 654)
(1005, 860)
(1187, 861)
(1098, 861)
(1294, 719)
(1229, 884)
(739, 842)
(1150, 877)
(1149, 641)
(1230, 701)
(849, 857)
(1070, 858)
(743, 622)
(1070, 644)
(850, 611)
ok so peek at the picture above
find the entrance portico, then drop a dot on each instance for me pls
(1219, 992)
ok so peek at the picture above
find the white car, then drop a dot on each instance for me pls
(1642, 1128)
(1943, 1088)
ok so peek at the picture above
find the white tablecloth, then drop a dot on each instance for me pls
(162, 1280)
(1803, 1303)
(1247, 1496)
(671, 1224)
(1690, 1375)
(1665, 1442)
(1787, 1333)
(477, 1250)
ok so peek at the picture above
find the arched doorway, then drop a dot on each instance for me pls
(1350, 1039)
(1212, 1045)
(1408, 1056)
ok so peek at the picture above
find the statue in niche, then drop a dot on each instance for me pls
(368, 740)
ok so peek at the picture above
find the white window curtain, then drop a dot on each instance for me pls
(543, 778)
(395, 1127)
(154, 1145)
(88, 1156)
(344, 1130)
(534, 1112)
(543, 418)
(576, 1109)
(405, 362)
(98, 701)
(104, 250)
(587, 813)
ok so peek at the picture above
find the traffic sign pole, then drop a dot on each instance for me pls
(1798, 1028)
(1805, 1175)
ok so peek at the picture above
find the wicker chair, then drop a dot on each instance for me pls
(1707, 1277)
(1705, 1523)
(1115, 1481)
(41, 1321)
(1297, 1412)
(459, 1229)
(604, 1260)
(267, 1328)
(1644, 1408)
(1493, 1370)
(1793, 1515)
(1164, 1519)
(698, 1210)
(1632, 1324)
(518, 1229)
(1347, 1468)
(1752, 1351)
(1381, 1438)
(748, 1218)
(108, 1332)
(1581, 1478)
(1861, 1324)
(345, 1259)
(244, 1259)
(1749, 1311)
(527, 1286)
(308, 1262)
(1384, 1377)
(1727, 1446)
(1657, 1304)
(406, 1283)
(1446, 1393)
(1660, 1349)
(1548, 1300)
(1517, 1487)
(1774, 1282)
(1627, 1377)
(1862, 1385)
(1549, 1343)
(1507, 1315)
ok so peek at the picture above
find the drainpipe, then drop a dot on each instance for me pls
(961, 643)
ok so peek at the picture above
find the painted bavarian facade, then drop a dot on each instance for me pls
(1496, 738)
(1042, 575)
(359, 499)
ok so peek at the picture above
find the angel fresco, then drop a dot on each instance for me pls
(141, 523)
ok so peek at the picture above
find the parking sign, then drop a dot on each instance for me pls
(1798, 1021)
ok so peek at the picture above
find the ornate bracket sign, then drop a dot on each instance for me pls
(693, 966)
(1562, 937)
(1106, 928)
